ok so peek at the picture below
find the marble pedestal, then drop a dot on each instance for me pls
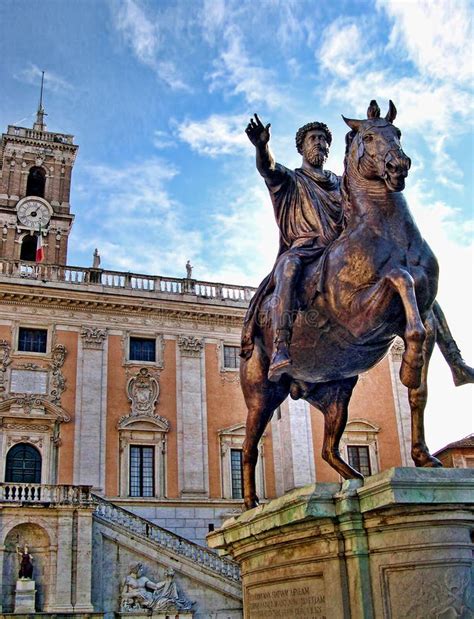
(25, 596)
(396, 547)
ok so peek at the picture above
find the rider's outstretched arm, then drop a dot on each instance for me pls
(259, 135)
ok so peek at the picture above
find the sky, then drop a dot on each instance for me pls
(158, 94)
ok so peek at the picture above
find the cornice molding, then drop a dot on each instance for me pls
(233, 317)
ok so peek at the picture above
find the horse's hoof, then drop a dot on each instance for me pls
(462, 373)
(251, 503)
(428, 461)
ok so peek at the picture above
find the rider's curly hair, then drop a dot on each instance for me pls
(302, 131)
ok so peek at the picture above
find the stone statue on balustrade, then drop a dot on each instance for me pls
(140, 592)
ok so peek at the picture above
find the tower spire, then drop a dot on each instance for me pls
(40, 114)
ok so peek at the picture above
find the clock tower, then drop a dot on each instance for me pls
(35, 184)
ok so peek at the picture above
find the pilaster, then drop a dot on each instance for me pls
(192, 418)
(84, 562)
(64, 563)
(91, 407)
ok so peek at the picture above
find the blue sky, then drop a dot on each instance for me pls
(158, 95)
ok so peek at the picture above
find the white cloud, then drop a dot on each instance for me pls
(138, 31)
(52, 81)
(162, 140)
(436, 35)
(213, 14)
(137, 211)
(245, 235)
(216, 135)
(344, 48)
(237, 74)
(142, 35)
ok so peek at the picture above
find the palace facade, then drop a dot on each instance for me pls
(122, 419)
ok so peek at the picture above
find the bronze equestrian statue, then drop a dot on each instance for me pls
(351, 275)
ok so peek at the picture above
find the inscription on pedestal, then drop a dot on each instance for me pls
(302, 598)
(29, 381)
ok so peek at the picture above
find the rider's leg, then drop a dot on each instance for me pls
(287, 273)
(462, 373)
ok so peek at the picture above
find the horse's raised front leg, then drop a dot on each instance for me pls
(332, 399)
(262, 398)
(371, 303)
(418, 397)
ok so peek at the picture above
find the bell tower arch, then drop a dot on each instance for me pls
(35, 186)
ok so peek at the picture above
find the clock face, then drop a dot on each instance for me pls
(33, 213)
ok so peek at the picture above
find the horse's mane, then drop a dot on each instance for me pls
(345, 193)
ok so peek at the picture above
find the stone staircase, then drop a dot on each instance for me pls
(122, 537)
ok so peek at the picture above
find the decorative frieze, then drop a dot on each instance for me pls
(93, 337)
(190, 346)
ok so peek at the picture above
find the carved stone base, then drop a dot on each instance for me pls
(25, 593)
(397, 546)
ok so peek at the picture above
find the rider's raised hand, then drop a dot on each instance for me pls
(257, 133)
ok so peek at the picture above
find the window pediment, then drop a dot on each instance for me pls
(153, 423)
(32, 407)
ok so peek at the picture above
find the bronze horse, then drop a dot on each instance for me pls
(379, 280)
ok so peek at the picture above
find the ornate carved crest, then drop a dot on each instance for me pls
(143, 391)
(93, 337)
(5, 361)
(58, 382)
(190, 346)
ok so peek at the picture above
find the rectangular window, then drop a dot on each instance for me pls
(142, 349)
(142, 468)
(359, 459)
(236, 473)
(231, 357)
(32, 340)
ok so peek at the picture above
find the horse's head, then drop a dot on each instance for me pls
(374, 144)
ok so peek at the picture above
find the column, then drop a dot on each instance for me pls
(296, 444)
(64, 563)
(401, 403)
(84, 562)
(192, 417)
(91, 406)
(2, 556)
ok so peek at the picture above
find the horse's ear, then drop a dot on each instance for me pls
(373, 111)
(392, 112)
(352, 123)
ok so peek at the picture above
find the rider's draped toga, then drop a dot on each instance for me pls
(309, 214)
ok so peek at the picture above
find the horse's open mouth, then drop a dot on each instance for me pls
(394, 182)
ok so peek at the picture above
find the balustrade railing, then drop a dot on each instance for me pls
(154, 285)
(110, 513)
(61, 494)
(32, 134)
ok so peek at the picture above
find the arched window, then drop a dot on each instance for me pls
(36, 182)
(23, 464)
(28, 247)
